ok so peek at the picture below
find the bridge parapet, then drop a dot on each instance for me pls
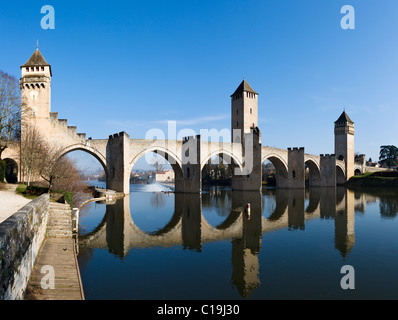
(60, 129)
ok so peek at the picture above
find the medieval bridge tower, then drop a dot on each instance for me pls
(118, 153)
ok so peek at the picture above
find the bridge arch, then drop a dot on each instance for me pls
(228, 156)
(340, 174)
(11, 173)
(175, 162)
(358, 171)
(281, 168)
(81, 147)
(314, 172)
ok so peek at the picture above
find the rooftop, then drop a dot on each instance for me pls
(244, 87)
(37, 60)
(344, 118)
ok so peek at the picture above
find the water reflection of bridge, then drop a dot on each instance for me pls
(189, 228)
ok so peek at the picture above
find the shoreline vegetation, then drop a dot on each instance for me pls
(374, 179)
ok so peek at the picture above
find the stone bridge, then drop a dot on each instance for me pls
(245, 153)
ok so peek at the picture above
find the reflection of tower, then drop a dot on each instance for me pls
(117, 217)
(344, 142)
(345, 225)
(191, 208)
(296, 209)
(245, 265)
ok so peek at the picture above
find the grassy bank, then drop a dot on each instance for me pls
(33, 192)
(375, 179)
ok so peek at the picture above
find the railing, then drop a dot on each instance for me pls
(76, 211)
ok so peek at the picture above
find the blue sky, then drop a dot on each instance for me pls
(132, 65)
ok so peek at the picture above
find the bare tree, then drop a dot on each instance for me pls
(10, 110)
(54, 168)
(32, 150)
(158, 166)
(46, 166)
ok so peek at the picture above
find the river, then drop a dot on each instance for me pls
(292, 244)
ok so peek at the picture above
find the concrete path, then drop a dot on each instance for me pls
(10, 202)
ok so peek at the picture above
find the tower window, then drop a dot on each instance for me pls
(32, 69)
(37, 68)
(237, 123)
(27, 69)
(251, 110)
(42, 68)
(237, 111)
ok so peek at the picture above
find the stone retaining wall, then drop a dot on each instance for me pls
(21, 237)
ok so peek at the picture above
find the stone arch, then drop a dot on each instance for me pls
(281, 197)
(314, 172)
(11, 173)
(230, 158)
(167, 154)
(281, 169)
(80, 147)
(230, 224)
(357, 172)
(340, 175)
(229, 221)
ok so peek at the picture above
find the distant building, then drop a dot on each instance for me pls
(373, 164)
(166, 176)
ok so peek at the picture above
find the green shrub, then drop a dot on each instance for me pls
(66, 197)
(69, 198)
(21, 189)
(36, 191)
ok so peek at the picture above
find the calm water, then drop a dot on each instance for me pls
(152, 245)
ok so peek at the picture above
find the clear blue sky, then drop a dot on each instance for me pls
(131, 65)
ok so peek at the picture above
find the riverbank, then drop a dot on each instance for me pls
(10, 201)
(374, 179)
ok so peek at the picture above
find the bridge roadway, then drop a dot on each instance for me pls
(188, 226)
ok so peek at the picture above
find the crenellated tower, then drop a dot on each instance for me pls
(35, 85)
(344, 142)
(244, 111)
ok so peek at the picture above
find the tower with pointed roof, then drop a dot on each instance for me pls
(35, 84)
(344, 142)
(244, 111)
